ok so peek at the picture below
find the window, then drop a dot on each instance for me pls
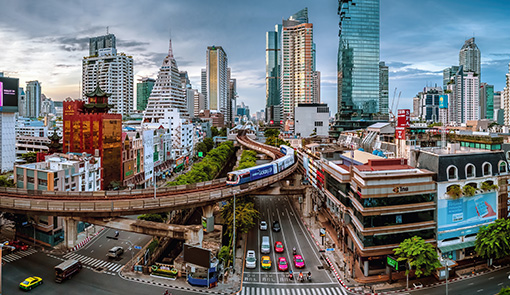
(502, 167)
(452, 173)
(318, 123)
(487, 169)
(470, 171)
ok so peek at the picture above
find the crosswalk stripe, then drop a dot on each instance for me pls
(329, 292)
(340, 290)
(263, 291)
(273, 292)
(308, 292)
(117, 268)
(314, 291)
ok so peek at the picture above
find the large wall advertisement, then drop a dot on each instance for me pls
(148, 153)
(9, 95)
(463, 216)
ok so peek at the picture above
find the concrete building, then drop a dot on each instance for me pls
(469, 57)
(33, 99)
(464, 104)
(383, 88)
(22, 103)
(448, 74)
(429, 104)
(466, 198)
(505, 98)
(167, 93)
(486, 101)
(101, 42)
(113, 72)
(297, 69)
(215, 118)
(143, 92)
(312, 119)
(217, 80)
(273, 68)
(199, 103)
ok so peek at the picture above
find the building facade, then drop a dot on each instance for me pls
(358, 55)
(383, 88)
(217, 80)
(273, 68)
(199, 103)
(312, 119)
(143, 92)
(469, 57)
(33, 99)
(113, 72)
(487, 101)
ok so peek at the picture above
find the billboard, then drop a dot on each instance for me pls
(463, 216)
(198, 256)
(148, 153)
(404, 118)
(9, 95)
(400, 132)
(443, 101)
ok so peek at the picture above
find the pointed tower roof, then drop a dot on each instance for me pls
(98, 92)
(170, 51)
(300, 16)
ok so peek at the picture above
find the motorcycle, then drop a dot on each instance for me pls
(290, 275)
(301, 278)
(309, 277)
(294, 251)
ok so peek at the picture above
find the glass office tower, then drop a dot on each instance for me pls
(358, 55)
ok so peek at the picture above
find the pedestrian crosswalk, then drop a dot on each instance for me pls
(94, 262)
(294, 291)
(18, 255)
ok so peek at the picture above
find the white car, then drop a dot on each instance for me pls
(251, 260)
(263, 225)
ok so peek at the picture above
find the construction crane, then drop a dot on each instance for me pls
(392, 114)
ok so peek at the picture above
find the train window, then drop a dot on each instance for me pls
(231, 177)
(245, 175)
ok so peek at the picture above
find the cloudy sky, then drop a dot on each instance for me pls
(46, 40)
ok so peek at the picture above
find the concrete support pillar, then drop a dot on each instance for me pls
(208, 218)
(195, 236)
(70, 232)
(365, 268)
(307, 202)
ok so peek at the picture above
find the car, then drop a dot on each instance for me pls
(299, 262)
(276, 226)
(19, 245)
(115, 252)
(30, 282)
(265, 262)
(251, 260)
(282, 264)
(278, 247)
(263, 225)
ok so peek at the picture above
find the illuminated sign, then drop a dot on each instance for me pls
(443, 101)
(9, 95)
(392, 262)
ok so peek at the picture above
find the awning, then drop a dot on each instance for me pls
(458, 246)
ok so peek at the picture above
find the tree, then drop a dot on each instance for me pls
(246, 214)
(493, 240)
(156, 217)
(504, 291)
(214, 131)
(209, 143)
(418, 255)
(201, 147)
(225, 255)
(30, 157)
(468, 191)
(271, 132)
(6, 182)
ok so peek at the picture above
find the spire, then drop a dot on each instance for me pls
(170, 51)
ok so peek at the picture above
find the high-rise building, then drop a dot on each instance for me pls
(505, 99)
(185, 82)
(297, 69)
(33, 99)
(486, 101)
(167, 92)
(448, 74)
(113, 72)
(358, 56)
(143, 92)
(231, 98)
(383, 88)
(199, 103)
(469, 57)
(217, 80)
(89, 128)
(429, 104)
(101, 42)
(273, 68)
(22, 103)
(203, 87)
(9, 96)
(464, 104)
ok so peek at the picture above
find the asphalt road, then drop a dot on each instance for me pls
(293, 234)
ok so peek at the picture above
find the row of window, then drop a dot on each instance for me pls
(452, 171)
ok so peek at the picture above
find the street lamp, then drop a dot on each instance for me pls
(130, 243)
(4, 244)
(234, 237)
(443, 259)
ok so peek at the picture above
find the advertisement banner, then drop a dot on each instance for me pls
(443, 101)
(261, 172)
(9, 95)
(400, 132)
(148, 153)
(404, 118)
(466, 213)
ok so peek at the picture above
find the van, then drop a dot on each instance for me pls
(265, 247)
(67, 269)
(115, 252)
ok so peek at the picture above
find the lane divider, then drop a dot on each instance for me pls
(84, 242)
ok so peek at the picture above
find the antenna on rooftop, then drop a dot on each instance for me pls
(107, 30)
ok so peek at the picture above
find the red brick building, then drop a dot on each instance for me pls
(89, 128)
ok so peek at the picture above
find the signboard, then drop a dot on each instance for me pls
(261, 172)
(443, 101)
(330, 249)
(9, 95)
(138, 247)
(197, 256)
(392, 262)
(200, 154)
(148, 153)
(404, 118)
(464, 216)
(322, 232)
(400, 132)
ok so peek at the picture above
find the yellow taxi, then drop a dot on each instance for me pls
(265, 262)
(30, 283)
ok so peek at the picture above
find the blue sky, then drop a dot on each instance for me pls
(46, 40)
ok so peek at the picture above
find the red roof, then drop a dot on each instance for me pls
(384, 164)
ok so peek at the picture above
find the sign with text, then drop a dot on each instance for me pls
(400, 132)
(404, 118)
(9, 95)
(392, 262)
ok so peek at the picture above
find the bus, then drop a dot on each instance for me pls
(67, 269)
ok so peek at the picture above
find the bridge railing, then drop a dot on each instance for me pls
(120, 207)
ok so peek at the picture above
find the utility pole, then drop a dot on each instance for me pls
(234, 238)
(4, 244)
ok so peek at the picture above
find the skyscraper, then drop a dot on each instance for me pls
(101, 42)
(297, 68)
(464, 104)
(112, 72)
(486, 101)
(33, 99)
(505, 98)
(448, 74)
(167, 92)
(203, 88)
(217, 80)
(232, 99)
(143, 92)
(469, 57)
(383, 87)
(273, 67)
(358, 55)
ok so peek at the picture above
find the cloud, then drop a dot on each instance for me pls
(397, 64)
(131, 44)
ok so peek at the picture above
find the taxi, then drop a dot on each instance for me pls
(299, 262)
(265, 262)
(30, 283)
(278, 247)
(282, 264)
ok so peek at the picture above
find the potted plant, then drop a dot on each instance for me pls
(487, 186)
(468, 191)
(454, 191)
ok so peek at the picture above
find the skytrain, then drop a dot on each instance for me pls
(264, 170)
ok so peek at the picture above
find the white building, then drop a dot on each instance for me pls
(190, 101)
(199, 103)
(465, 101)
(505, 99)
(311, 119)
(8, 141)
(33, 99)
(114, 74)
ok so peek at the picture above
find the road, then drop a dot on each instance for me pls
(486, 284)
(292, 234)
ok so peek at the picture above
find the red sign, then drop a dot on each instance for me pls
(404, 118)
(400, 132)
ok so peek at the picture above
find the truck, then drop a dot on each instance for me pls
(67, 269)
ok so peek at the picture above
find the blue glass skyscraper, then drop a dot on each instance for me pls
(358, 55)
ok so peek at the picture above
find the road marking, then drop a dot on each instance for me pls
(500, 284)
(471, 284)
(479, 290)
(491, 278)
